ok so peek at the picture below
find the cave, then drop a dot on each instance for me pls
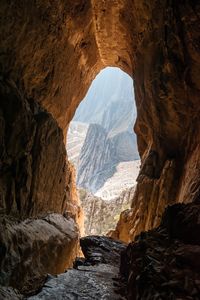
(50, 53)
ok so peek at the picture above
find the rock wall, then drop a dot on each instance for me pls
(164, 262)
(102, 215)
(31, 148)
(167, 87)
(35, 184)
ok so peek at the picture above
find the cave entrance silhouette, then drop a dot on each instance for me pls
(102, 146)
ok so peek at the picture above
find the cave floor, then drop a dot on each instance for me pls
(95, 277)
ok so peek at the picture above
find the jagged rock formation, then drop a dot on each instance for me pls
(95, 277)
(51, 51)
(97, 156)
(164, 263)
(100, 158)
(102, 215)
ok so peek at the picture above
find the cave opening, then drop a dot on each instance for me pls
(102, 146)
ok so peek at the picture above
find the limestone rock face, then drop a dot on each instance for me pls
(164, 262)
(33, 248)
(101, 216)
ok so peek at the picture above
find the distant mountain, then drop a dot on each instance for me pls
(101, 135)
(97, 156)
(75, 139)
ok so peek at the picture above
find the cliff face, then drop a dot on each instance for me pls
(52, 51)
(105, 165)
(102, 215)
(97, 156)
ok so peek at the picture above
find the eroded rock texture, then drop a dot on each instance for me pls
(34, 182)
(33, 248)
(101, 216)
(164, 263)
(167, 85)
(95, 277)
(33, 157)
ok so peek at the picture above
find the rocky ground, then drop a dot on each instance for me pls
(95, 277)
(164, 263)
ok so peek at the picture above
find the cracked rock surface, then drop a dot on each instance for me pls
(95, 277)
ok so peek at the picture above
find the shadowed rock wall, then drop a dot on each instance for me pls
(167, 88)
(31, 147)
(35, 183)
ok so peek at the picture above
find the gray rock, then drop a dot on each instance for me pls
(93, 280)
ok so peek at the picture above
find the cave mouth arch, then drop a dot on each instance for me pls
(102, 146)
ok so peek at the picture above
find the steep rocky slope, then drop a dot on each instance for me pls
(105, 165)
(75, 139)
(109, 101)
(102, 215)
(97, 159)
(124, 177)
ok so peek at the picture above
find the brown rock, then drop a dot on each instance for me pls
(34, 181)
(33, 248)
(162, 263)
(33, 157)
(74, 208)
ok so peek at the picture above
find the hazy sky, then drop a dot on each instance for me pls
(111, 85)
